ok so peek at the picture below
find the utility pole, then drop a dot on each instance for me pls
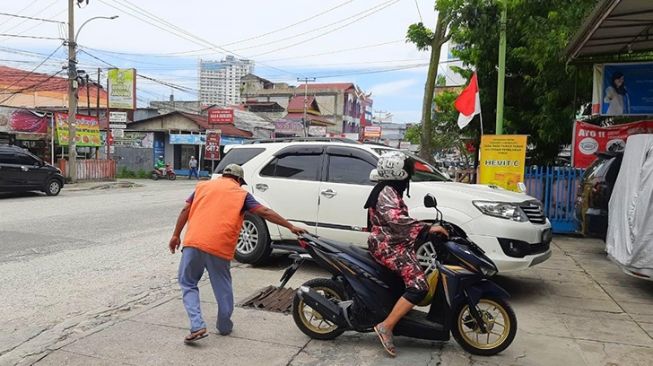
(502, 67)
(72, 97)
(305, 121)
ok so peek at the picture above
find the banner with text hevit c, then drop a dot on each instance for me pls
(503, 158)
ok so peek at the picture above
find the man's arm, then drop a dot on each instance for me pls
(181, 222)
(275, 218)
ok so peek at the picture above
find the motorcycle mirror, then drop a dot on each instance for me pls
(430, 201)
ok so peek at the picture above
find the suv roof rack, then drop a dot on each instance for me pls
(303, 139)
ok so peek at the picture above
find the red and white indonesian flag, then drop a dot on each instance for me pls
(468, 103)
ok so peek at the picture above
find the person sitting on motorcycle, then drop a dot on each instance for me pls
(394, 235)
(160, 166)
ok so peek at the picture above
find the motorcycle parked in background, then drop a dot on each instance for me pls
(463, 301)
(168, 173)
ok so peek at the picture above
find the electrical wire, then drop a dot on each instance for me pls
(11, 95)
(31, 72)
(31, 18)
(33, 15)
(31, 37)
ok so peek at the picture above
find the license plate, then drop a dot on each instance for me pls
(547, 236)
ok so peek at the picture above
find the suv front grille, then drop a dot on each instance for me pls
(534, 212)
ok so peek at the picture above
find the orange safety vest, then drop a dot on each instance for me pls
(215, 218)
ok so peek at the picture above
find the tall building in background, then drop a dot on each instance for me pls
(220, 80)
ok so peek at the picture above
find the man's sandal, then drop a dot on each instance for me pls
(196, 336)
(386, 339)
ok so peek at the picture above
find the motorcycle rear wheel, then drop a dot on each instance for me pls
(500, 322)
(309, 321)
(172, 176)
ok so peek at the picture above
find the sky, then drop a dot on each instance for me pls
(360, 41)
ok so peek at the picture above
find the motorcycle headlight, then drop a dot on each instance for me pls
(504, 210)
(488, 271)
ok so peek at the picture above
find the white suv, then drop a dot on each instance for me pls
(323, 185)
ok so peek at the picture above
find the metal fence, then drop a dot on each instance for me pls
(91, 169)
(557, 188)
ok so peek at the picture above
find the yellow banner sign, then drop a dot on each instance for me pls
(503, 159)
(87, 132)
(122, 88)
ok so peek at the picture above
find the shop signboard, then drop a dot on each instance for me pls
(117, 126)
(87, 132)
(118, 117)
(623, 89)
(228, 140)
(186, 139)
(212, 148)
(589, 139)
(13, 120)
(122, 88)
(317, 131)
(373, 132)
(221, 115)
(134, 139)
(288, 127)
(503, 159)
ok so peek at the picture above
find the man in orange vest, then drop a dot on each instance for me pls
(215, 213)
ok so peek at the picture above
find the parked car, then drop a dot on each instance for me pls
(594, 194)
(322, 186)
(22, 171)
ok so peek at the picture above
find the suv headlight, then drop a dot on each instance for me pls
(504, 210)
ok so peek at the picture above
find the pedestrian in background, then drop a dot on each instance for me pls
(215, 214)
(192, 165)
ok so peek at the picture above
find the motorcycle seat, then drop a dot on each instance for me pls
(353, 250)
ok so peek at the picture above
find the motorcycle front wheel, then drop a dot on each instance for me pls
(309, 321)
(500, 324)
(172, 176)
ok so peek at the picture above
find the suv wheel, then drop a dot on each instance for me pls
(427, 257)
(53, 187)
(254, 241)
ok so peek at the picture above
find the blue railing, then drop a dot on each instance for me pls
(557, 188)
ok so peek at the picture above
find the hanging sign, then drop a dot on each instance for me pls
(503, 158)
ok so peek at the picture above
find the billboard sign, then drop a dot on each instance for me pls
(119, 117)
(87, 132)
(317, 131)
(185, 139)
(623, 89)
(122, 88)
(590, 139)
(503, 159)
(212, 148)
(221, 115)
(372, 132)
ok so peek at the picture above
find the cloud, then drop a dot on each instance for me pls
(392, 87)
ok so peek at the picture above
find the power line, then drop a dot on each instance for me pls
(336, 51)
(31, 18)
(35, 14)
(11, 95)
(31, 37)
(371, 11)
(419, 12)
(388, 4)
(33, 70)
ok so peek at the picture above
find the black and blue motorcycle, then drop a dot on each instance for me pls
(463, 301)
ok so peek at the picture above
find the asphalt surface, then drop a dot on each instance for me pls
(71, 262)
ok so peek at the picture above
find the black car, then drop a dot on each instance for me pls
(595, 191)
(22, 171)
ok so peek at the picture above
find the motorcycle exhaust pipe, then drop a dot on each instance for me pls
(328, 309)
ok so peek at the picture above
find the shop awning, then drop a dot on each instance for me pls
(615, 30)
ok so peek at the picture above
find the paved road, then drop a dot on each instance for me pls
(71, 262)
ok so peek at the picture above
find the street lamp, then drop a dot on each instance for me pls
(72, 86)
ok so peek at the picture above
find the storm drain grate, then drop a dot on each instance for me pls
(271, 298)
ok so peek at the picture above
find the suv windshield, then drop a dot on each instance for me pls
(424, 172)
(238, 156)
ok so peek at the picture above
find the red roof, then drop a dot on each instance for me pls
(297, 103)
(341, 86)
(299, 116)
(227, 129)
(16, 80)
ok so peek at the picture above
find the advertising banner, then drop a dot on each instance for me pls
(372, 132)
(87, 133)
(590, 139)
(503, 159)
(221, 115)
(122, 88)
(14, 120)
(184, 139)
(212, 148)
(623, 89)
(288, 127)
(139, 140)
(317, 131)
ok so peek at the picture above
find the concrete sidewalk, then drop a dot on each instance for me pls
(575, 309)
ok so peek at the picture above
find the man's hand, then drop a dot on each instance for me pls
(439, 230)
(297, 230)
(174, 244)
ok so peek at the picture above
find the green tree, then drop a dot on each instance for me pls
(543, 93)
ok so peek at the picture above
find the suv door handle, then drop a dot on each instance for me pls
(262, 187)
(328, 193)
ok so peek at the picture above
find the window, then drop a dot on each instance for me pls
(238, 156)
(299, 166)
(7, 157)
(349, 170)
(24, 159)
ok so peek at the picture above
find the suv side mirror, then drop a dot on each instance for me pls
(430, 201)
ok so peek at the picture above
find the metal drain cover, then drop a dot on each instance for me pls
(271, 298)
